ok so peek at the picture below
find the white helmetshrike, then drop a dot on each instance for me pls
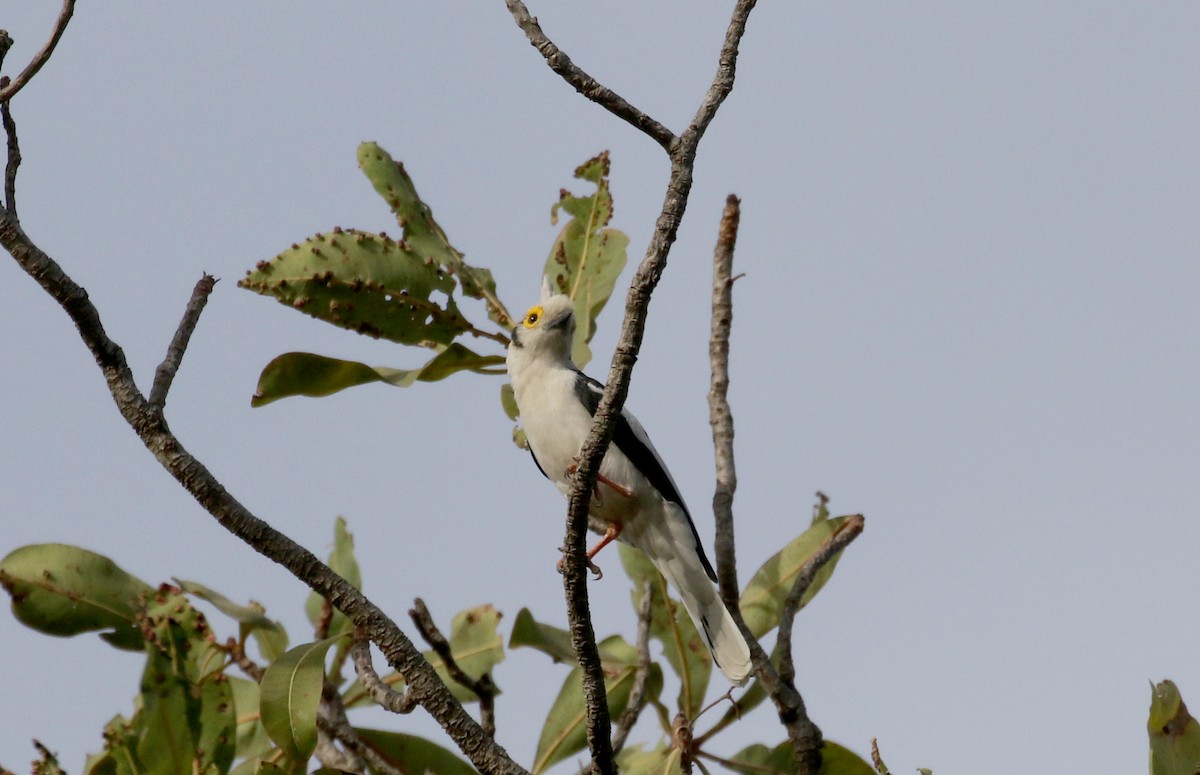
(636, 499)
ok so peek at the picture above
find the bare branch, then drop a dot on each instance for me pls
(849, 530)
(64, 16)
(482, 686)
(237, 653)
(14, 159)
(585, 84)
(722, 83)
(165, 374)
(719, 415)
(637, 694)
(192, 475)
(384, 696)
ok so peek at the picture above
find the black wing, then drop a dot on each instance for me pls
(637, 448)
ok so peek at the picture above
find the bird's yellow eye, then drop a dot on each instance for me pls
(532, 317)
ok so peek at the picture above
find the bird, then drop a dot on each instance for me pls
(636, 500)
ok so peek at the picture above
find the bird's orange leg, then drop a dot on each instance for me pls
(602, 479)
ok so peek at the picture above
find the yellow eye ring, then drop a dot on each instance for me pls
(532, 317)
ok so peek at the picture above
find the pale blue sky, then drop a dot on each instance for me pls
(969, 312)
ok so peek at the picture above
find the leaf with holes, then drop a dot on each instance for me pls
(421, 231)
(64, 590)
(587, 257)
(367, 283)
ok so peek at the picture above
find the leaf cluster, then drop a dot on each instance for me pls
(404, 290)
(205, 705)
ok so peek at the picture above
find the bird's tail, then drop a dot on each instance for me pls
(680, 564)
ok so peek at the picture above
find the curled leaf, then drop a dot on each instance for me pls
(307, 374)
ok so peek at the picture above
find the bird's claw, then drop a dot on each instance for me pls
(593, 567)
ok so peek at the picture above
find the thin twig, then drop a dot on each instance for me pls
(585, 84)
(482, 686)
(237, 652)
(384, 696)
(681, 740)
(336, 726)
(60, 26)
(804, 735)
(14, 159)
(847, 532)
(719, 415)
(165, 374)
(637, 694)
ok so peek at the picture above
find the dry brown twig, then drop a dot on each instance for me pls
(482, 686)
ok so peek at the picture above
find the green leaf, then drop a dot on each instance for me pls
(47, 762)
(564, 733)
(660, 760)
(1174, 734)
(758, 759)
(763, 597)
(64, 590)
(307, 374)
(343, 563)
(413, 755)
(251, 739)
(508, 399)
(289, 694)
(587, 257)
(671, 626)
(422, 233)
(251, 617)
(555, 642)
(364, 282)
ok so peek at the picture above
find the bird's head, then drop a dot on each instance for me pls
(547, 329)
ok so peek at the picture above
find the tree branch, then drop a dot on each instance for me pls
(165, 374)
(850, 529)
(719, 415)
(637, 694)
(384, 696)
(585, 84)
(789, 704)
(64, 16)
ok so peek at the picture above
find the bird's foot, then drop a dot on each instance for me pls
(593, 567)
(611, 533)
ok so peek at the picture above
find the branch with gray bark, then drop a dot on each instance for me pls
(682, 153)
